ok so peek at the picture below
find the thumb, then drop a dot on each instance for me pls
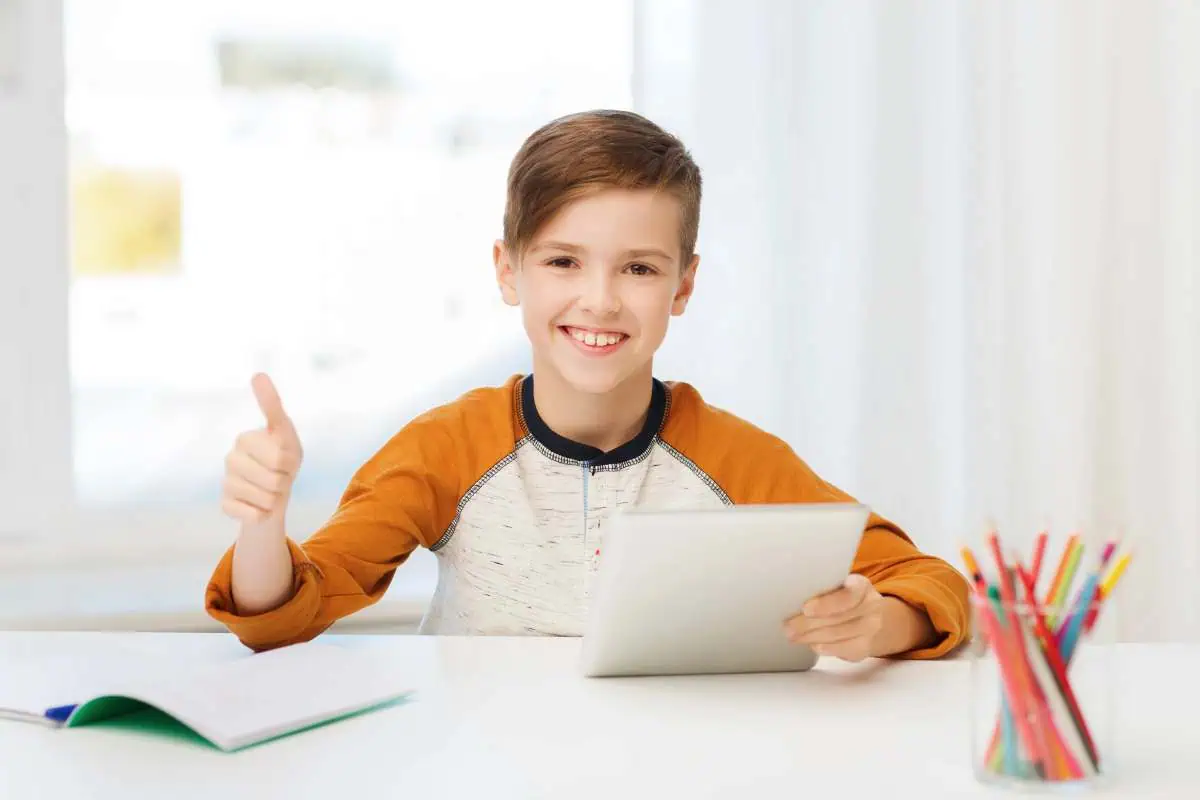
(857, 585)
(269, 403)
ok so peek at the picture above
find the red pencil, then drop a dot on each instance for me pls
(1009, 670)
(1039, 551)
(1020, 657)
(1058, 669)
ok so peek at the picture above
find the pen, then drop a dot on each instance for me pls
(52, 717)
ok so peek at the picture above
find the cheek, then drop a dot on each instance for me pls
(541, 304)
(653, 308)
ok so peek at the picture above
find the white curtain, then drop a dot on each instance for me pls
(950, 252)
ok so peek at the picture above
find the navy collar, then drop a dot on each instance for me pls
(571, 450)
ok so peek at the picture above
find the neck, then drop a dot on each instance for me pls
(604, 421)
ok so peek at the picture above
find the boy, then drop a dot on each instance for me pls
(511, 486)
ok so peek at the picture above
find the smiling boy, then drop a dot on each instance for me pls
(511, 486)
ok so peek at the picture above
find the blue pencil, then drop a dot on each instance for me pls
(1067, 635)
(1010, 739)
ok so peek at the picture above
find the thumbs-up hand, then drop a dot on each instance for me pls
(263, 463)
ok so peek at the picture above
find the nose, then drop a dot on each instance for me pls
(599, 294)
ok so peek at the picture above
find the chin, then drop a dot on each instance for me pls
(592, 381)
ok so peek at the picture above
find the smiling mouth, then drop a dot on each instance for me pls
(593, 340)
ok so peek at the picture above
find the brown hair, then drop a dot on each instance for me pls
(583, 153)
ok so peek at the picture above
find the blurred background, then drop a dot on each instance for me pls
(949, 252)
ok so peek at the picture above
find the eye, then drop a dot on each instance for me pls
(642, 269)
(562, 262)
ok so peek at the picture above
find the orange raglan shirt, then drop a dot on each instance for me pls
(516, 516)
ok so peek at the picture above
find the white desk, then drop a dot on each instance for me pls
(509, 718)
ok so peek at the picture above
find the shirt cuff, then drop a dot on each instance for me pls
(946, 609)
(278, 626)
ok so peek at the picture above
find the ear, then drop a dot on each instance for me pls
(506, 274)
(687, 284)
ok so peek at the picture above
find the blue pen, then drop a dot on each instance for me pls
(60, 714)
(56, 716)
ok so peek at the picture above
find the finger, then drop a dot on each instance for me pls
(858, 585)
(842, 631)
(802, 623)
(242, 511)
(241, 489)
(267, 450)
(840, 600)
(243, 465)
(269, 402)
(849, 650)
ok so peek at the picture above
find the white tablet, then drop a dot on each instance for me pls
(695, 592)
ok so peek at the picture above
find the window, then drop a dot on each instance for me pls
(306, 189)
(309, 191)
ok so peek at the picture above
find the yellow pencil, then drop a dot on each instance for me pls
(1115, 573)
(1106, 588)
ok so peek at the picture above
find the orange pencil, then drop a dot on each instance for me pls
(1062, 567)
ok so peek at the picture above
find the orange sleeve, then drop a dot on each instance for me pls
(752, 466)
(406, 496)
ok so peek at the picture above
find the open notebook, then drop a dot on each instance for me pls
(237, 703)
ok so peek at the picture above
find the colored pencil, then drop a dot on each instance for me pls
(1062, 567)
(1011, 751)
(1020, 659)
(1059, 670)
(1106, 587)
(1109, 549)
(1039, 551)
(1115, 573)
(1006, 662)
(1059, 600)
(1072, 627)
(1040, 725)
(1065, 737)
(1017, 694)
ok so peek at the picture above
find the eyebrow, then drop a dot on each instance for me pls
(637, 252)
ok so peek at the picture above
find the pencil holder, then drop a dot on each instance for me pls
(1042, 690)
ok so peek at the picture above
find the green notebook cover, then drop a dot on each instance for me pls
(123, 713)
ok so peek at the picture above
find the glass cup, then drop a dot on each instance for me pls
(1042, 692)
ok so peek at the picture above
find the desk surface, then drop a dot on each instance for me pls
(511, 718)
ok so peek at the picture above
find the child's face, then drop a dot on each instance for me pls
(598, 284)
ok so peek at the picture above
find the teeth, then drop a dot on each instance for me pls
(593, 339)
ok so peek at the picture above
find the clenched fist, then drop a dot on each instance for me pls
(263, 463)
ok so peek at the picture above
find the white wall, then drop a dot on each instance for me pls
(950, 252)
(35, 458)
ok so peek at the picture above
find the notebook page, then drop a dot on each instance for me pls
(243, 701)
(36, 682)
